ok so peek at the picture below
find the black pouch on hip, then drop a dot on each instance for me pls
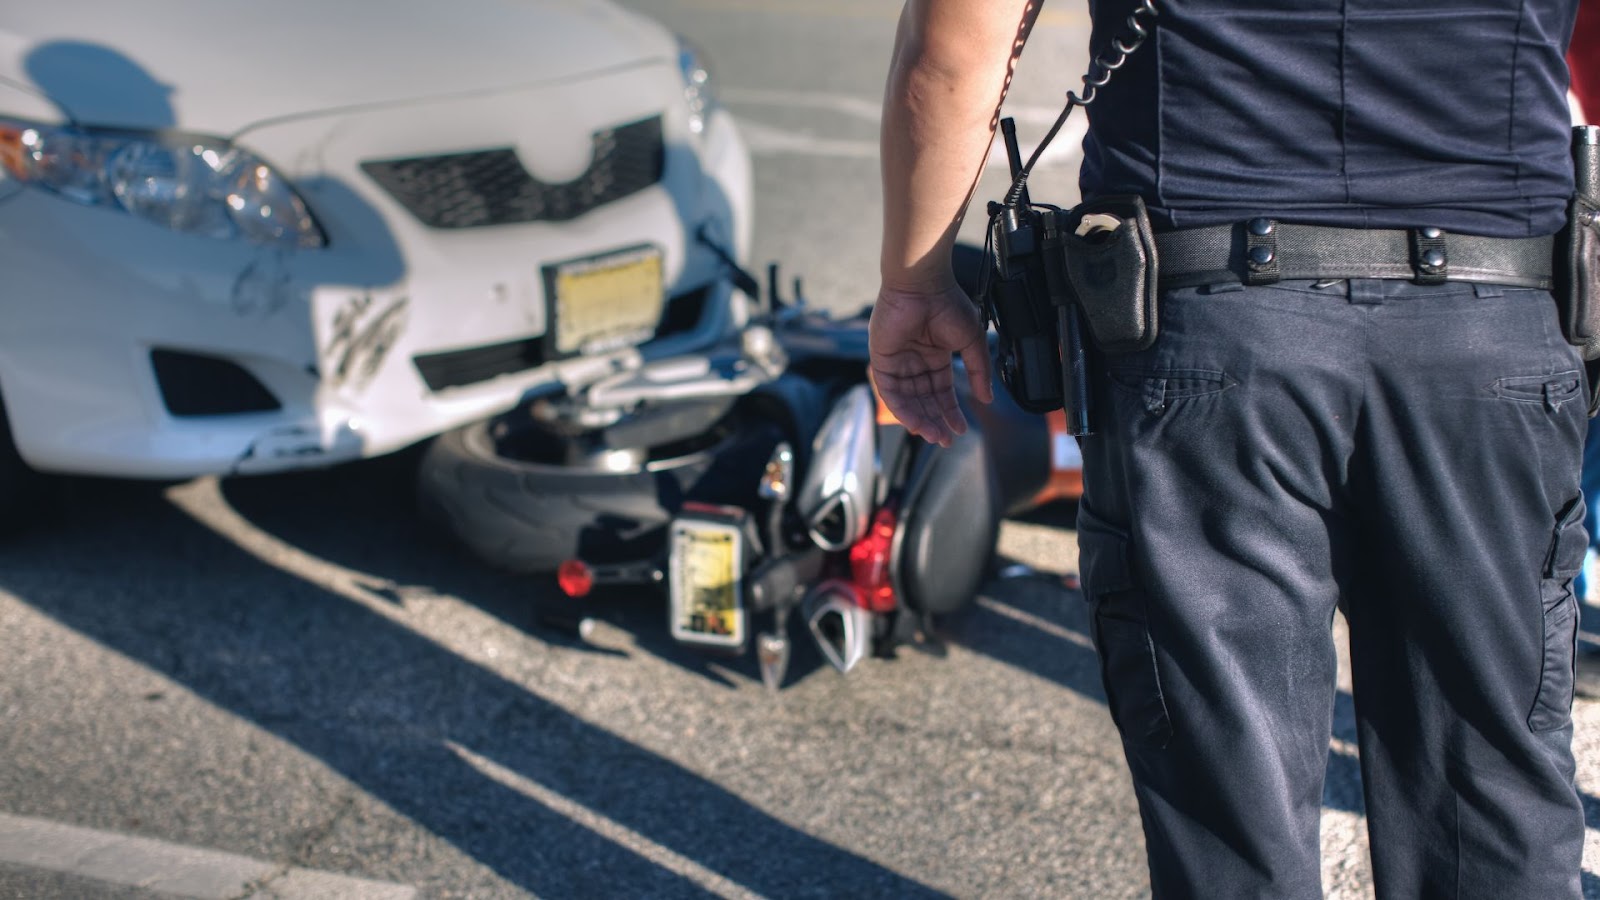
(1578, 248)
(1110, 254)
(1577, 264)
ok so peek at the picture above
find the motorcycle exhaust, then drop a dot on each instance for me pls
(836, 498)
(838, 623)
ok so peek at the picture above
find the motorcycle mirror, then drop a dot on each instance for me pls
(774, 301)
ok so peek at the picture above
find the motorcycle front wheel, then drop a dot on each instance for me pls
(524, 498)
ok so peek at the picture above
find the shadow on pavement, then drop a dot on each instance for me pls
(1037, 624)
(438, 738)
(364, 516)
(1034, 624)
(1341, 786)
(1060, 514)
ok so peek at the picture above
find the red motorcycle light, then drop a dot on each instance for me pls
(869, 564)
(575, 578)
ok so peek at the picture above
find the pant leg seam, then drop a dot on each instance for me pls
(1457, 808)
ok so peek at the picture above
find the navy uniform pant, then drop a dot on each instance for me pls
(1408, 454)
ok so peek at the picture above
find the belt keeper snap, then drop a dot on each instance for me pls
(1430, 261)
(1261, 251)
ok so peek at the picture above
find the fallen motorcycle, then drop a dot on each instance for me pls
(748, 483)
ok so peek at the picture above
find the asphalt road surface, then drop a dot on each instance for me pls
(286, 687)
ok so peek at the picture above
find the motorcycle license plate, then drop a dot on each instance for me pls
(705, 561)
(606, 302)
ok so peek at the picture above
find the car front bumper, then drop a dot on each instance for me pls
(333, 335)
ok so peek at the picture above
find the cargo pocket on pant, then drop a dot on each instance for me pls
(1121, 634)
(1552, 708)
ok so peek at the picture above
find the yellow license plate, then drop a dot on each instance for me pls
(607, 302)
(705, 593)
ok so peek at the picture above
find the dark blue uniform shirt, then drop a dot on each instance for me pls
(1356, 113)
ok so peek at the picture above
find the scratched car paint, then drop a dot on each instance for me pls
(250, 238)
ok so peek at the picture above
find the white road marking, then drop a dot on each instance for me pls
(1065, 150)
(1031, 620)
(867, 109)
(863, 108)
(854, 9)
(607, 828)
(169, 868)
(771, 140)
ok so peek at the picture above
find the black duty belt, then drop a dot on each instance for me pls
(1264, 251)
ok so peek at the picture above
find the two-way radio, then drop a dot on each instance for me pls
(1043, 356)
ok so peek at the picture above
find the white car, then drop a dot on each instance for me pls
(255, 237)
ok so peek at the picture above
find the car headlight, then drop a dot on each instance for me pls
(196, 185)
(697, 89)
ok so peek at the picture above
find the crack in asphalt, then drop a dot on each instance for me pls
(300, 854)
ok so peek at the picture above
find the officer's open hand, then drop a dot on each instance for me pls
(912, 337)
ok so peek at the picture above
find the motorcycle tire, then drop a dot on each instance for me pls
(502, 488)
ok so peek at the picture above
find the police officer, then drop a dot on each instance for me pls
(1359, 398)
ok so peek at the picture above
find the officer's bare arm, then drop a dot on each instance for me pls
(952, 63)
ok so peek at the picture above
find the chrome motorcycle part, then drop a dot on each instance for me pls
(841, 627)
(836, 497)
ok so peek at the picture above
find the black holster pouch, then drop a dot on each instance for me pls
(1110, 255)
(1060, 283)
(1577, 264)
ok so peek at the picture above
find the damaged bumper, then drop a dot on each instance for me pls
(132, 351)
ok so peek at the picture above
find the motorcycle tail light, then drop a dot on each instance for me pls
(575, 578)
(869, 564)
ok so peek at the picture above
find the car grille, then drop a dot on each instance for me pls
(462, 367)
(490, 187)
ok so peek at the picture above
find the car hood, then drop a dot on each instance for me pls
(219, 67)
